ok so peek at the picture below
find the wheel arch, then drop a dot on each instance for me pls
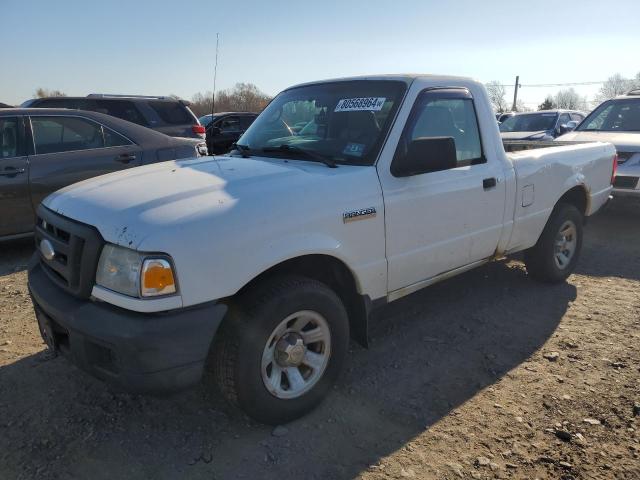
(576, 196)
(334, 273)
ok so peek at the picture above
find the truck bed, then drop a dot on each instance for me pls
(519, 145)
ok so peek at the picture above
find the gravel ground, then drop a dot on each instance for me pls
(487, 375)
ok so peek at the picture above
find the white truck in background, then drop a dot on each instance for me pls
(261, 264)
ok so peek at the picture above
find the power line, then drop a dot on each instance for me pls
(570, 84)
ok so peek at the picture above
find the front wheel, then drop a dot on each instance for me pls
(281, 348)
(553, 258)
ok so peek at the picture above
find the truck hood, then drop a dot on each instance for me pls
(131, 205)
(626, 142)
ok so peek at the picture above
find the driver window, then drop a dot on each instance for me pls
(448, 117)
(564, 119)
(9, 138)
(64, 134)
(230, 125)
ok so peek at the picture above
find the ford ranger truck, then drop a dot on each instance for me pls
(261, 264)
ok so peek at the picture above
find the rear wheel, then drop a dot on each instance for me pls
(281, 348)
(553, 258)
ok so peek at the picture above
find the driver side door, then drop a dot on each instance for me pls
(16, 212)
(442, 220)
(229, 131)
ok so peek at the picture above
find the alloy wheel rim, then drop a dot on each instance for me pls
(296, 354)
(565, 244)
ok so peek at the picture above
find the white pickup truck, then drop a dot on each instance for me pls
(262, 263)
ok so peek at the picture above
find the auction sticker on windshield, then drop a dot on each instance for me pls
(358, 104)
(355, 149)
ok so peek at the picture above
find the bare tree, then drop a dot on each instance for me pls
(548, 104)
(497, 96)
(43, 92)
(521, 106)
(614, 86)
(201, 103)
(243, 97)
(570, 99)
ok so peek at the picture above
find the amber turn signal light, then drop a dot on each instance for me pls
(157, 278)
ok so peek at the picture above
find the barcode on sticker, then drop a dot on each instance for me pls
(362, 103)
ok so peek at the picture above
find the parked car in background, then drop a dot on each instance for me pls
(542, 125)
(164, 114)
(617, 121)
(224, 129)
(501, 117)
(4, 105)
(42, 150)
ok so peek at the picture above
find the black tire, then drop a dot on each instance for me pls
(240, 342)
(540, 259)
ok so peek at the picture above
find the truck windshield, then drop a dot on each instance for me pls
(342, 122)
(614, 116)
(529, 122)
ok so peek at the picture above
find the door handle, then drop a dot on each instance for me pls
(488, 183)
(125, 157)
(11, 172)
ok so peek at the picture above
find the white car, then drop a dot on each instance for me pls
(267, 260)
(617, 121)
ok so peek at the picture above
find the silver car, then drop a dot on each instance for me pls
(616, 121)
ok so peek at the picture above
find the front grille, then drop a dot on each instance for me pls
(625, 182)
(77, 247)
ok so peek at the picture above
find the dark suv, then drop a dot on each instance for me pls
(164, 114)
(225, 128)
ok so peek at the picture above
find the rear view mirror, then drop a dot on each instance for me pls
(426, 154)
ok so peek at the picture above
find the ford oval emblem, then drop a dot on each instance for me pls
(46, 249)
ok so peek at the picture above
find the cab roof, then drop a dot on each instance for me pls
(407, 78)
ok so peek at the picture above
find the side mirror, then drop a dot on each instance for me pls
(571, 126)
(215, 131)
(567, 127)
(426, 154)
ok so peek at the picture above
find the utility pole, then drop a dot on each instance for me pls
(515, 94)
(215, 74)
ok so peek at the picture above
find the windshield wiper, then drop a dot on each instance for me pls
(284, 148)
(243, 149)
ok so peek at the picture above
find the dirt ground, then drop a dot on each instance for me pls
(487, 375)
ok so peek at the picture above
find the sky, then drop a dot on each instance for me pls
(166, 47)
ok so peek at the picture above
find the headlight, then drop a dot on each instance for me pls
(135, 274)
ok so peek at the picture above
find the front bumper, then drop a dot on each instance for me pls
(138, 352)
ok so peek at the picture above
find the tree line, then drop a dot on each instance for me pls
(242, 97)
(567, 98)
